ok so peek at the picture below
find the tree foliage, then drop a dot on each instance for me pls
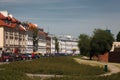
(118, 37)
(56, 45)
(84, 44)
(101, 42)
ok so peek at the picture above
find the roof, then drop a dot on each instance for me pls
(14, 20)
(32, 25)
(2, 23)
(7, 20)
(22, 28)
(41, 33)
(13, 25)
(2, 16)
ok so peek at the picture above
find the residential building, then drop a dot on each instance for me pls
(18, 37)
(29, 41)
(48, 44)
(67, 44)
(52, 43)
(12, 34)
(30, 47)
(115, 45)
(41, 41)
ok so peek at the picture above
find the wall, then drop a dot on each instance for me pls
(1, 37)
(103, 58)
(114, 57)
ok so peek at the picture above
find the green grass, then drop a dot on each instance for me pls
(52, 65)
(13, 75)
(112, 77)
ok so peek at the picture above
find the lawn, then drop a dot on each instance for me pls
(50, 65)
(112, 77)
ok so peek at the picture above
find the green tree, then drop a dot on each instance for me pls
(118, 37)
(56, 45)
(25, 24)
(35, 39)
(101, 42)
(35, 31)
(84, 44)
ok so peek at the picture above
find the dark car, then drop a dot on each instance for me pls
(24, 56)
(36, 56)
(7, 57)
(17, 57)
(29, 56)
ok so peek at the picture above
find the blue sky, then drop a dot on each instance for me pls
(67, 16)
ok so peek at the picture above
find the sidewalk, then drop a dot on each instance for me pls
(43, 76)
(113, 67)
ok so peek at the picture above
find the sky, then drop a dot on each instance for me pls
(71, 17)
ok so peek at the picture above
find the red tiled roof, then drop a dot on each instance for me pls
(2, 16)
(13, 25)
(41, 29)
(32, 25)
(9, 18)
(46, 33)
(2, 23)
(14, 20)
(22, 28)
(41, 33)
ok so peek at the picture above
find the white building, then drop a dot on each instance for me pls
(115, 45)
(67, 44)
(52, 44)
(29, 41)
(42, 42)
(12, 34)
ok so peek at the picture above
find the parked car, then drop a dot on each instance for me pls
(24, 57)
(37, 56)
(18, 57)
(7, 57)
(29, 56)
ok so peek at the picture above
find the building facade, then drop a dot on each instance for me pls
(48, 44)
(17, 37)
(115, 45)
(67, 44)
(11, 33)
(29, 41)
(41, 41)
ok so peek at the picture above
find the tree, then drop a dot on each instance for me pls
(101, 42)
(35, 31)
(84, 44)
(35, 39)
(118, 37)
(56, 45)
